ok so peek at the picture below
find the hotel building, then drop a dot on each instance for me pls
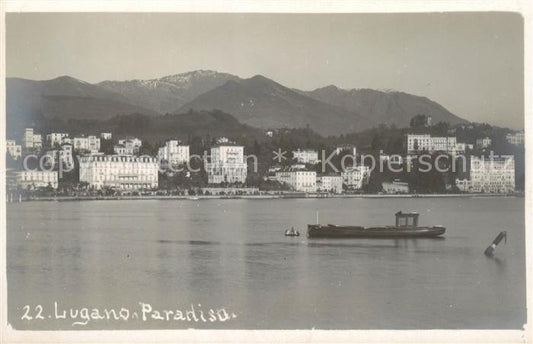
(30, 140)
(496, 175)
(226, 164)
(174, 153)
(426, 143)
(90, 144)
(119, 172)
(298, 180)
(37, 179)
(329, 183)
(55, 139)
(355, 177)
(63, 155)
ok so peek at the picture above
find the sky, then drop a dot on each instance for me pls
(471, 63)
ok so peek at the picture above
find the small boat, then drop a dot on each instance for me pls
(406, 227)
(292, 232)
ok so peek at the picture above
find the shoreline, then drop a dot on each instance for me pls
(254, 197)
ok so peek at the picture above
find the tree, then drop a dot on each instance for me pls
(440, 129)
(107, 146)
(376, 142)
(418, 121)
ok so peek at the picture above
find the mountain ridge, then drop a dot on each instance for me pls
(257, 101)
(387, 107)
(168, 93)
(28, 101)
(265, 103)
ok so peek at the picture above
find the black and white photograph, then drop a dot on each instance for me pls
(323, 171)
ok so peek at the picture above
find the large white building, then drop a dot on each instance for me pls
(516, 139)
(30, 140)
(119, 172)
(226, 164)
(329, 183)
(14, 150)
(106, 136)
(418, 143)
(306, 156)
(55, 139)
(174, 153)
(37, 179)
(496, 175)
(89, 143)
(298, 180)
(63, 154)
(355, 177)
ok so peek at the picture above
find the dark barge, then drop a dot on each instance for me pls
(406, 227)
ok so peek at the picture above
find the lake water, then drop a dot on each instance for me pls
(231, 256)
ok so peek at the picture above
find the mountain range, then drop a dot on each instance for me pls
(258, 102)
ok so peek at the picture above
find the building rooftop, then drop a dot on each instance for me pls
(305, 150)
(227, 144)
(292, 169)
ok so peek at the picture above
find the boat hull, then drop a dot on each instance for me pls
(331, 231)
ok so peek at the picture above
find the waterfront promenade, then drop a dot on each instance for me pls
(259, 197)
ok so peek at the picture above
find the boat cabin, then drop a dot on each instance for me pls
(406, 219)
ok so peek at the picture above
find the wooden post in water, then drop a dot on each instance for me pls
(489, 252)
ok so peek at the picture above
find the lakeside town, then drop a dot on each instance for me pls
(341, 174)
(58, 164)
